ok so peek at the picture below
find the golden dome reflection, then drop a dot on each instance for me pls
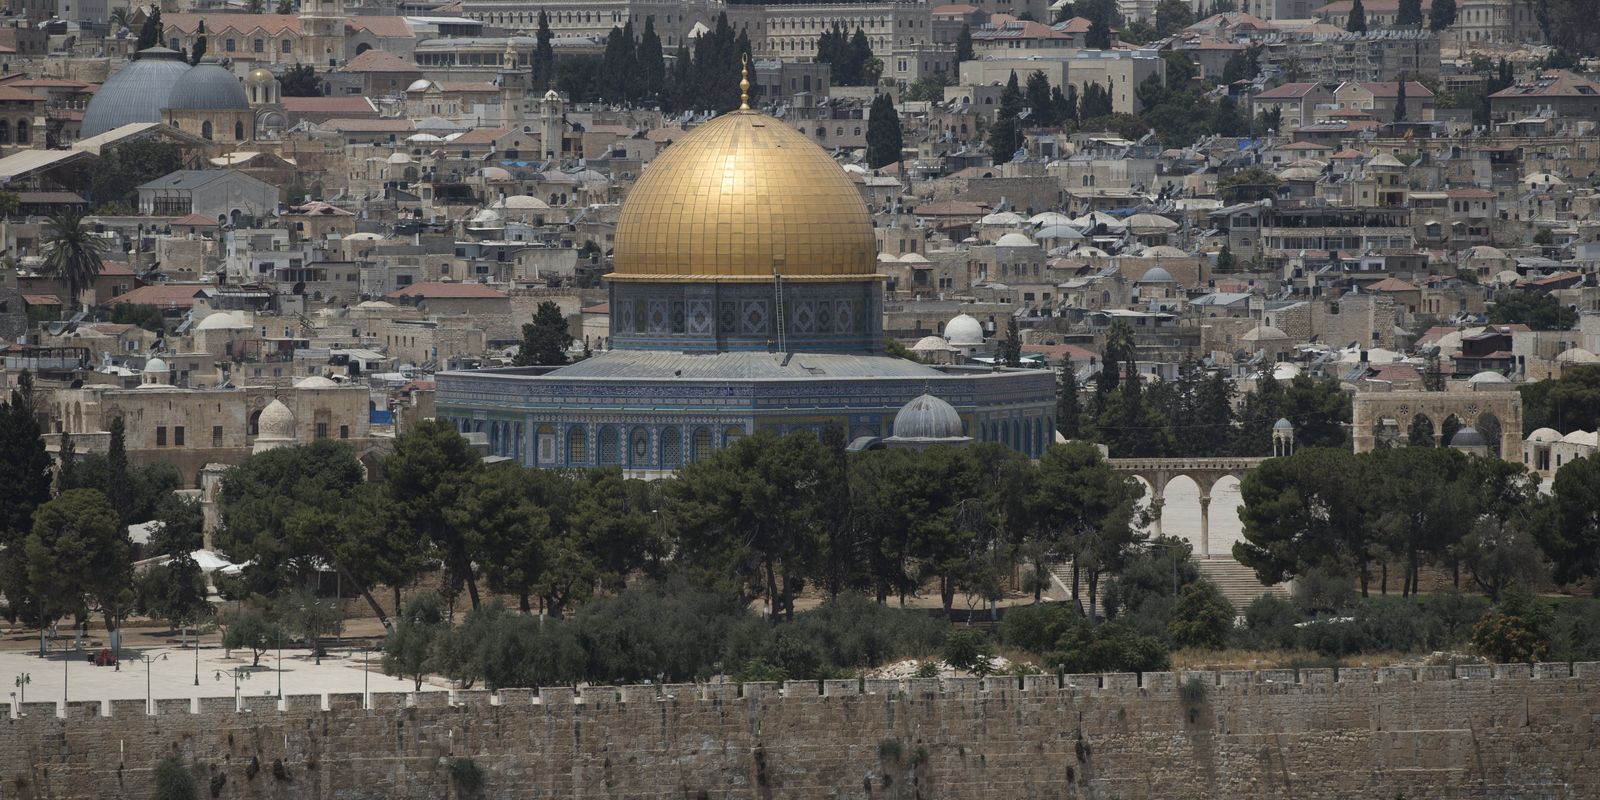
(737, 198)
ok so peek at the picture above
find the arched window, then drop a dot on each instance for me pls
(205, 129)
(608, 446)
(671, 448)
(238, 130)
(577, 446)
(22, 131)
(639, 448)
(5, 132)
(253, 428)
(702, 444)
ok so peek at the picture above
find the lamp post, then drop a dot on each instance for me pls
(21, 683)
(197, 655)
(239, 673)
(148, 661)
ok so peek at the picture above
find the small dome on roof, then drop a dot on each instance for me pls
(1262, 333)
(1049, 218)
(1002, 218)
(1058, 232)
(208, 87)
(156, 366)
(1577, 355)
(376, 304)
(276, 423)
(1283, 424)
(495, 174)
(888, 258)
(932, 344)
(398, 157)
(964, 331)
(551, 96)
(221, 321)
(1485, 251)
(1149, 223)
(1014, 240)
(913, 258)
(524, 202)
(419, 85)
(928, 418)
(1157, 275)
(260, 75)
(1488, 376)
(1544, 436)
(315, 382)
(1468, 436)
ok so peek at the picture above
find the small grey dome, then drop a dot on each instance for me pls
(1282, 424)
(1468, 436)
(927, 417)
(1157, 275)
(208, 87)
(137, 93)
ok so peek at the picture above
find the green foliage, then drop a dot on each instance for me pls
(968, 649)
(1247, 185)
(78, 557)
(1036, 628)
(300, 80)
(1005, 135)
(928, 87)
(1009, 351)
(1202, 617)
(1084, 510)
(1519, 632)
(884, 138)
(1110, 647)
(150, 32)
(964, 44)
(1409, 14)
(174, 591)
(1357, 22)
(758, 670)
(543, 61)
(313, 618)
(894, 349)
(1173, 16)
(467, 777)
(249, 629)
(428, 474)
(409, 652)
(1442, 15)
(1568, 403)
(1269, 624)
(171, 780)
(123, 168)
(72, 252)
(181, 531)
(546, 339)
(1567, 528)
(850, 56)
(1537, 310)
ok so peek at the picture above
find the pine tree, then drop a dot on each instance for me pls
(652, 67)
(681, 90)
(1358, 18)
(1099, 35)
(1011, 346)
(1400, 102)
(1442, 15)
(1066, 104)
(1005, 137)
(544, 55)
(1225, 261)
(964, 44)
(1409, 14)
(884, 137)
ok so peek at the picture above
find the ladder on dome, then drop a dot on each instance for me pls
(777, 291)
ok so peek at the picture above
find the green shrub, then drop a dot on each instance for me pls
(758, 671)
(1518, 632)
(1112, 647)
(927, 669)
(968, 649)
(1202, 617)
(467, 777)
(1576, 633)
(1452, 615)
(173, 781)
(1269, 623)
(853, 631)
(1324, 590)
(1036, 628)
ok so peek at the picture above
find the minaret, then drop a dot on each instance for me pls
(550, 125)
(322, 32)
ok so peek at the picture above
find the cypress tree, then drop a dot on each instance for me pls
(1358, 18)
(861, 58)
(964, 44)
(117, 460)
(652, 67)
(884, 137)
(1006, 135)
(1068, 409)
(1442, 15)
(1409, 14)
(150, 33)
(1400, 103)
(199, 50)
(1040, 99)
(544, 56)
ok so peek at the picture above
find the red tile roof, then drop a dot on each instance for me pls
(41, 300)
(347, 107)
(1287, 91)
(19, 95)
(437, 289)
(378, 61)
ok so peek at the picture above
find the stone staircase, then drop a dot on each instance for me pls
(1237, 581)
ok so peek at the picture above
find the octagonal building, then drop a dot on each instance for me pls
(744, 298)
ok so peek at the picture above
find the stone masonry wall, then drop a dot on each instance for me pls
(1479, 732)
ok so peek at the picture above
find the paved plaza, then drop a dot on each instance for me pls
(172, 671)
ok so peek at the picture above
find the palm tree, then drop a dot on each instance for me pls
(120, 19)
(71, 251)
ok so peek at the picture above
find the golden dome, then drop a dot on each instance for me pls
(260, 75)
(737, 198)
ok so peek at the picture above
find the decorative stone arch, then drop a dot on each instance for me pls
(1205, 472)
(1505, 405)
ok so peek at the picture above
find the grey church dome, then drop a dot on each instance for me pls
(1468, 436)
(927, 417)
(137, 93)
(208, 87)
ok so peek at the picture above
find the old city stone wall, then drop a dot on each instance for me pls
(1435, 732)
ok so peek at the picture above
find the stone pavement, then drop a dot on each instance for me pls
(174, 676)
